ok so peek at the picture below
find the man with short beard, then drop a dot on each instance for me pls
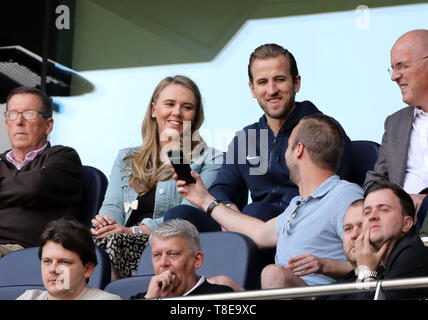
(311, 225)
(255, 158)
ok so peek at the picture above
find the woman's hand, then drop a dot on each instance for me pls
(104, 226)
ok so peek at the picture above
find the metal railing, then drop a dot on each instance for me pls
(313, 291)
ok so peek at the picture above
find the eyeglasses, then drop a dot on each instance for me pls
(287, 226)
(401, 66)
(12, 115)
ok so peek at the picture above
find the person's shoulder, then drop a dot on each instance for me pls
(346, 188)
(60, 148)
(307, 107)
(125, 152)
(97, 294)
(403, 112)
(260, 124)
(62, 151)
(33, 294)
(207, 288)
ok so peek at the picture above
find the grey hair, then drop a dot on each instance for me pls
(178, 228)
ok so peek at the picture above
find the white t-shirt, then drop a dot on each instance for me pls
(87, 294)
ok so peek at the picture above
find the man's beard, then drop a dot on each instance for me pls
(284, 113)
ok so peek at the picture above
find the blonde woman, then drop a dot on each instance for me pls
(141, 188)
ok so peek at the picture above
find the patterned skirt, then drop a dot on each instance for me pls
(124, 250)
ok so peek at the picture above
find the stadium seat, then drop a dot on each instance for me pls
(225, 253)
(94, 185)
(21, 269)
(364, 157)
(13, 292)
(128, 287)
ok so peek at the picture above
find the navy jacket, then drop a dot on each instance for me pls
(258, 163)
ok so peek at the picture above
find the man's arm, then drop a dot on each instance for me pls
(305, 264)
(262, 233)
(380, 170)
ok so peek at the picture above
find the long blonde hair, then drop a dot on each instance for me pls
(146, 166)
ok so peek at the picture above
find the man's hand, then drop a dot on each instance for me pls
(196, 193)
(162, 285)
(366, 253)
(305, 264)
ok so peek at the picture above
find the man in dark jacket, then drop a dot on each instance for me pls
(255, 158)
(38, 183)
(386, 246)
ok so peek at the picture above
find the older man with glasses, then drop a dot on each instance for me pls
(308, 234)
(38, 182)
(403, 157)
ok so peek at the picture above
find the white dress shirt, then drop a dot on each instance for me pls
(416, 178)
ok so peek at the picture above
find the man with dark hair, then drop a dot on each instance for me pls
(312, 223)
(38, 183)
(388, 246)
(381, 243)
(68, 258)
(255, 158)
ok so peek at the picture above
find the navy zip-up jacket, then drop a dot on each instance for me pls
(257, 163)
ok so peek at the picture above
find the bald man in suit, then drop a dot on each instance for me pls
(403, 155)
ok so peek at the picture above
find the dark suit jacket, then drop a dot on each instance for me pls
(409, 258)
(392, 162)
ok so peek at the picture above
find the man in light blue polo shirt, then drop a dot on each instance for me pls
(315, 229)
(308, 234)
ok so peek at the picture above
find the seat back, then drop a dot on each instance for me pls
(13, 292)
(225, 253)
(94, 185)
(364, 157)
(22, 268)
(128, 287)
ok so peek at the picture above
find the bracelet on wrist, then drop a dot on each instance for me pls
(211, 206)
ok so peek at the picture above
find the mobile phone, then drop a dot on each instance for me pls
(181, 168)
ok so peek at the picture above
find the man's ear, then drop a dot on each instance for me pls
(49, 125)
(89, 269)
(199, 259)
(298, 149)
(250, 84)
(408, 223)
(297, 83)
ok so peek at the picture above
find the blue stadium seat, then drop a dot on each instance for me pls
(128, 287)
(94, 185)
(22, 269)
(13, 292)
(225, 253)
(364, 157)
